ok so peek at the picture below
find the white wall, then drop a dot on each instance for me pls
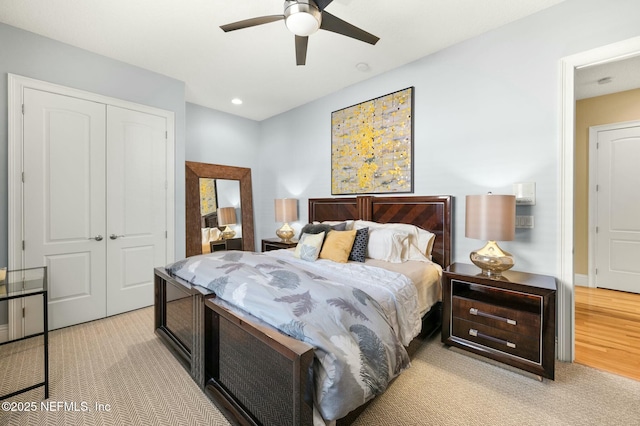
(219, 138)
(486, 116)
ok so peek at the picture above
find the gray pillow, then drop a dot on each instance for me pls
(342, 226)
(316, 228)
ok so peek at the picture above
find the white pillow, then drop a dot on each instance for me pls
(420, 242)
(215, 234)
(206, 248)
(389, 245)
(309, 246)
(205, 235)
(431, 239)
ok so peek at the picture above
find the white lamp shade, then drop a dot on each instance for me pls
(286, 209)
(226, 216)
(490, 217)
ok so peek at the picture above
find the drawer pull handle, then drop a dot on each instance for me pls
(475, 333)
(475, 311)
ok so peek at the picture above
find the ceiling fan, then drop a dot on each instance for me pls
(303, 18)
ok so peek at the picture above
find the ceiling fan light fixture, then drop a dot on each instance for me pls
(302, 18)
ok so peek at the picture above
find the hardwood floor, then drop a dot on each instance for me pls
(607, 330)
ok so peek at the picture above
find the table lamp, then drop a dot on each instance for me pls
(226, 217)
(286, 211)
(491, 217)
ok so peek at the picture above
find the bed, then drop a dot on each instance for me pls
(254, 373)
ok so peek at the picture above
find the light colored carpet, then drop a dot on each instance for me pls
(445, 387)
(119, 361)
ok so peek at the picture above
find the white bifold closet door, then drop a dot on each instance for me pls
(94, 204)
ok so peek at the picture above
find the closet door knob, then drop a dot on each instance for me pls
(115, 237)
(97, 238)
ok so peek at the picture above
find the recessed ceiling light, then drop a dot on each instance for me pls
(236, 101)
(363, 67)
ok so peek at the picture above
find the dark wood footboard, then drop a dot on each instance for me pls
(179, 320)
(257, 374)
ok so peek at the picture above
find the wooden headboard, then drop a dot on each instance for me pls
(432, 213)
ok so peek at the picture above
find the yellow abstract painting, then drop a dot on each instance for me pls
(208, 198)
(372, 146)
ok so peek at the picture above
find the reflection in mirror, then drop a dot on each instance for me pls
(217, 194)
(208, 208)
(208, 196)
(227, 187)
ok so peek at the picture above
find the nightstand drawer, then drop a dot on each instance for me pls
(504, 341)
(500, 317)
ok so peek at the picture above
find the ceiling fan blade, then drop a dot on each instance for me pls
(251, 22)
(337, 25)
(301, 50)
(322, 3)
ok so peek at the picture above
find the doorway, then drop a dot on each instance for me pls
(568, 241)
(607, 326)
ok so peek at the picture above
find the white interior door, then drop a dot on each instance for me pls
(136, 206)
(618, 209)
(64, 202)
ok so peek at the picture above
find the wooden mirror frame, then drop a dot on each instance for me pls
(193, 172)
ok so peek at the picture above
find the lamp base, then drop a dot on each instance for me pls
(228, 233)
(492, 260)
(285, 233)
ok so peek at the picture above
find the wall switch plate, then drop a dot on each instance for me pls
(524, 221)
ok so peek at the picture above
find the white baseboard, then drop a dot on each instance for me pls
(581, 280)
(4, 333)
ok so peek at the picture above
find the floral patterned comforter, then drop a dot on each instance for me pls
(357, 350)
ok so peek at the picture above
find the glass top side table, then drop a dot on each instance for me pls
(22, 283)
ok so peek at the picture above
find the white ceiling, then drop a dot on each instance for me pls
(182, 39)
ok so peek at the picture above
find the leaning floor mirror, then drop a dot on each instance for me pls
(218, 191)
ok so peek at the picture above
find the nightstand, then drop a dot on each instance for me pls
(511, 319)
(269, 244)
(230, 244)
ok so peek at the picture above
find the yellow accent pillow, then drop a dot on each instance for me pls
(337, 245)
